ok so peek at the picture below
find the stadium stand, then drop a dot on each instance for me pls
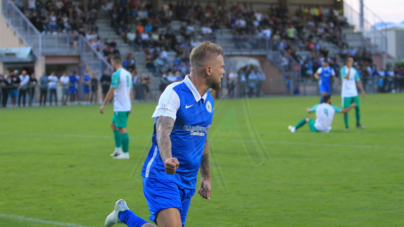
(289, 44)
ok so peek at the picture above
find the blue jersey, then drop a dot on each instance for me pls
(192, 116)
(325, 75)
(73, 79)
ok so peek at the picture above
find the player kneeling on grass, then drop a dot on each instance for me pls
(121, 89)
(324, 116)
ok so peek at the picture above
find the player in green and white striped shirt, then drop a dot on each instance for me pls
(122, 89)
(350, 82)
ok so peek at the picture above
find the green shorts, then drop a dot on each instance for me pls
(311, 125)
(120, 119)
(347, 101)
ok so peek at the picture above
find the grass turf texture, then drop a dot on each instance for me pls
(55, 165)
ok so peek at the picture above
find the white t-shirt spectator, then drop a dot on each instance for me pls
(381, 73)
(163, 54)
(240, 23)
(52, 81)
(258, 16)
(190, 28)
(59, 4)
(65, 81)
(233, 76)
(131, 36)
(31, 4)
(267, 32)
(194, 43)
(144, 36)
(256, 23)
(206, 30)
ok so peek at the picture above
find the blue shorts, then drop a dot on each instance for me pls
(325, 88)
(86, 89)
(13, 93)
(161, 194)
(72, 90)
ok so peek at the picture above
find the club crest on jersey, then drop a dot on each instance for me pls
(209, 107)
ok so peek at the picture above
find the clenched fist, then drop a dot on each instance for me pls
(171, 165)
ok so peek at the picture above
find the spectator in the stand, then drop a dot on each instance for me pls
(94, 88)
(52, 82)
(171, 77)
(36, 21)
(31, 88)
(43, 89)
(45, 23)
(15, 83)
(381, 81)
(24, 78)
(232, 80)
(73, 78)
(129, 63)
(105, 83)
(123, 29)
(86, 86)
(53, 22)
(160, 66)
(65, 82)
(137, 85)
(130, 38)
(146, 80)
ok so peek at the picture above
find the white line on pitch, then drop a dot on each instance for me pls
(309, 144)
(22, 218)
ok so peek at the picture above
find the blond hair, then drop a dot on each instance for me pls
(202, 52)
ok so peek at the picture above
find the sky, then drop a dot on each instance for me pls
(388, 10)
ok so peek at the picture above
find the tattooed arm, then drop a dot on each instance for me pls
(164, 127)
(206, 188)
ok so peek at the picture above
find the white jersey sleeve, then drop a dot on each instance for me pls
(169, 103)
(320, 70)
(332, 72)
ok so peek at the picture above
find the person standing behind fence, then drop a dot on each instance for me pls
(258, 84)
(232, 83)
(86, 87)
(23, 88)
(5, 89)
(252, 83)
(43, 81)
(31, 88)
(52, 88)
(105, 83)
(73, 87)
(94, 88)
(65, 82)
(15, 83)
(243, 83)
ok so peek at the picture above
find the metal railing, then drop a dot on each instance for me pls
(92, 58)
(376, 37)
(22, 26)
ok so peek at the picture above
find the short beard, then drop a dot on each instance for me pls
(216, 86)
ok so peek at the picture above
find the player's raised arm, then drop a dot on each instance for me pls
(313, 109)
(164, 126)
(206, 188)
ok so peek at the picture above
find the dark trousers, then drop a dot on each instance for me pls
(94, 94)
(31, 93)
(250, 91)
(42, 97)
(53, 93)
(4, 97)
(23, 94)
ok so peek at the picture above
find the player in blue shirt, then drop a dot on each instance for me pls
(324, 74)
(180, 147)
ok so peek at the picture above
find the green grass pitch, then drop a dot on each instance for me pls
(55, 166)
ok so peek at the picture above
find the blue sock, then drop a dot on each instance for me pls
(131, 219)
(321, 99)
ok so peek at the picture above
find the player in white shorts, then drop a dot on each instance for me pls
(324, 116)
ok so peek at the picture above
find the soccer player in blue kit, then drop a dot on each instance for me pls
(324, 74)
(182, 120)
